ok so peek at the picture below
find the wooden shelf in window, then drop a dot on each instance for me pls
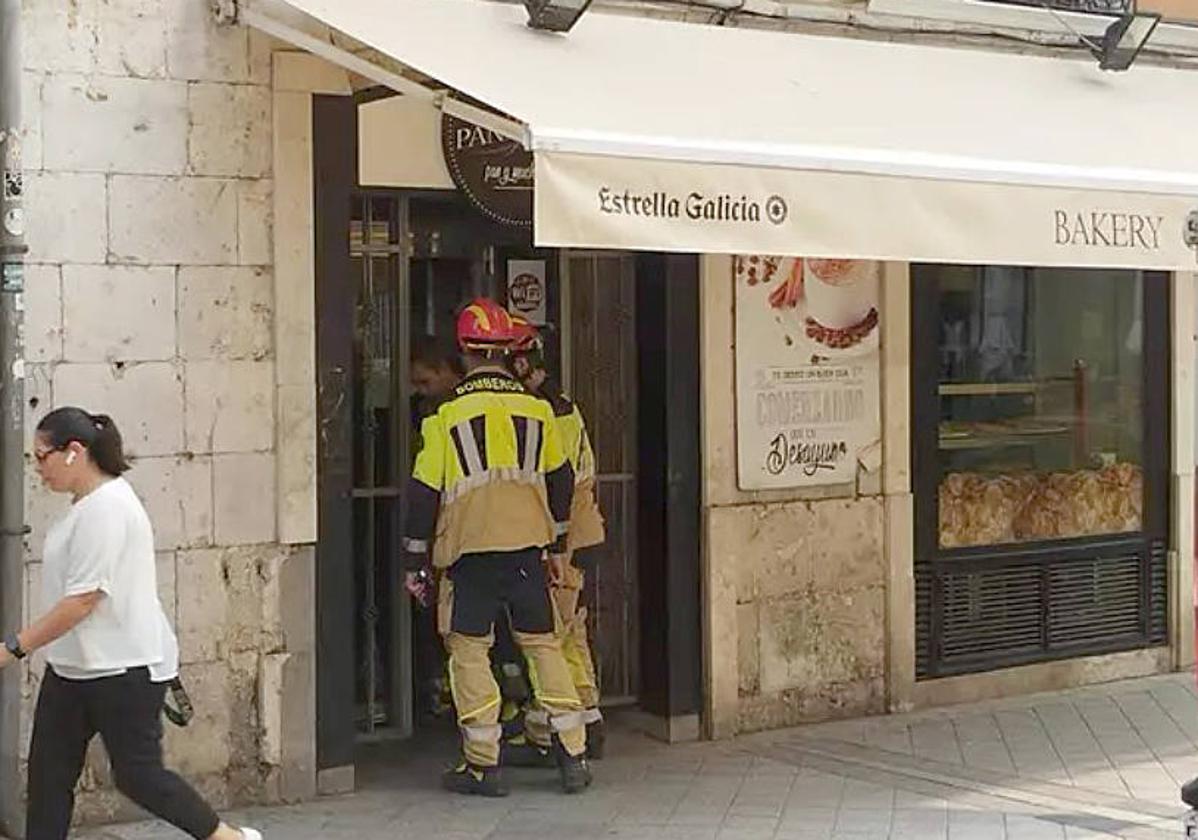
(987, 389)
(996, 441)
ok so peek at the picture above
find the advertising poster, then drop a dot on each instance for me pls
(807, 371)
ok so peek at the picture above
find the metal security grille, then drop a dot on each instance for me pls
(985, 611)
(602, 341)
(380, 422)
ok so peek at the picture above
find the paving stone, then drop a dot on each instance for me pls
(1090, 741)
(976, 826)
(936, 740)
(1029, 828)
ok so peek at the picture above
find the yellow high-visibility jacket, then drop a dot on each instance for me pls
(586, 520)
(492, 474)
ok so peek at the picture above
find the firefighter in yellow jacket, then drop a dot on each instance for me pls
(586, 534)
(491, 490)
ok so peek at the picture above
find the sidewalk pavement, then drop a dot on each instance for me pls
(1098, 762)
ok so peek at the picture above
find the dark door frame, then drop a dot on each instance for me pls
(335, 171)
(335, 168)
(669, 516)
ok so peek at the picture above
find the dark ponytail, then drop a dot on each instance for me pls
(436, 352)
(97, 432)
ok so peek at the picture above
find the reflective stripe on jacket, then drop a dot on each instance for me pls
(492, 474)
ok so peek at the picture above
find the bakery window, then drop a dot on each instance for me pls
(1039, 449)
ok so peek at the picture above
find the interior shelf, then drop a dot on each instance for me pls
(997, 389)
(996, 441)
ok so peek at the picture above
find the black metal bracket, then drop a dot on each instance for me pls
(226, 12)
(1191, 229)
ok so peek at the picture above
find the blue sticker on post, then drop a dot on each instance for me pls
(12, 277)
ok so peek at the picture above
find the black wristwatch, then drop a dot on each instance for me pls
(13, 644)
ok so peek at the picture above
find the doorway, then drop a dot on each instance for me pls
(415, 259)
(394, 267)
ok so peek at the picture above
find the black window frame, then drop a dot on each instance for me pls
(1036, 564)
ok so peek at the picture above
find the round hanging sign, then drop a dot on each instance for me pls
(494, 172)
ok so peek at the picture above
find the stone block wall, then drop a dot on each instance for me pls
(150, 296)
(810, 608)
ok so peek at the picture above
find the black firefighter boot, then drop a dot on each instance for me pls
(596, 740)
(468, 779)
(521, 752)
(574, 770)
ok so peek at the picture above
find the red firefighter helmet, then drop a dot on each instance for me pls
(485, 325)
(527, 338)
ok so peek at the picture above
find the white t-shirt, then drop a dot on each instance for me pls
(105, 543)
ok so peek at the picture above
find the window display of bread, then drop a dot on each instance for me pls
(978, 509)
(1082, 503)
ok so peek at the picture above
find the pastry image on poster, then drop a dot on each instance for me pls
(807, 368)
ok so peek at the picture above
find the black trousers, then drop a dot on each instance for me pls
(484, 583)
(126, 712)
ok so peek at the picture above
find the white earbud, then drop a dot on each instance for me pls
(70, 458)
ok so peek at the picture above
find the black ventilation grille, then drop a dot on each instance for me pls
(1158, 615)
(979, 610)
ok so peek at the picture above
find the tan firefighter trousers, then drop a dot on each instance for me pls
(470, 595)
(576, 649)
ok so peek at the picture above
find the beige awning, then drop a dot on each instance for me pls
(668, 136)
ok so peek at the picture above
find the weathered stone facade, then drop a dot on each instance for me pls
(811, 608)
(161, 289)
(151, 298)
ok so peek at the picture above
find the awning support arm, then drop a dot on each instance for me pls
(344, 58)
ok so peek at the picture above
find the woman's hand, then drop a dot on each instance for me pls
(6, 658)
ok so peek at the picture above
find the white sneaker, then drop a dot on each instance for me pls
(251, 834)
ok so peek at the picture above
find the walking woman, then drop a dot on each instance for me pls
(109, 647)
